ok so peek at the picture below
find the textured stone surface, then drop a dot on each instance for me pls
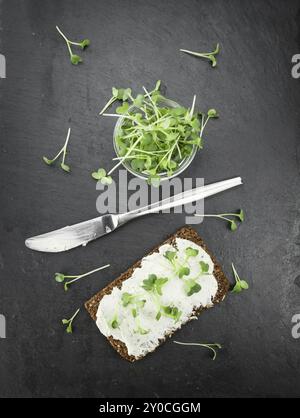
(256, 137)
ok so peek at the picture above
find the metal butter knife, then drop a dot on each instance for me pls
(69, 237)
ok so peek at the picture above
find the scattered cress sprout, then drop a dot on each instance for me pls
(232, 223)
(211, 56)
(74, 58)
(60, 277)
(63, 151)
(211, 347)
(240, 284)
(69, 322)
(100, 174)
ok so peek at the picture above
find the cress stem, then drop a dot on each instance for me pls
(88, 273)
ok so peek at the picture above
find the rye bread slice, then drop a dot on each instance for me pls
(185, 232)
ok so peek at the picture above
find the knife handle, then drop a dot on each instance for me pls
(180, 199)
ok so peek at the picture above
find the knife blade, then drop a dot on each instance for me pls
(82, 233)
(69, 237)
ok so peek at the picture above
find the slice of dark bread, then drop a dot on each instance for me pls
(186, 233)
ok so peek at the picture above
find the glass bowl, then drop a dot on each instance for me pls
(163, 176)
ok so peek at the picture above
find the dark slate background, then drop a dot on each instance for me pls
(257, 137)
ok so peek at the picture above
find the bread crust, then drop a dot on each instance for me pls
(185, 232)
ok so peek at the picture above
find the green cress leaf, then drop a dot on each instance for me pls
(157, 85)
(158, 316)
(212, 113)
(183, 271)
(204, 267)
(114, 324)
(137, 165)
(241, 215)
(148, 284)
(170, 255)
(120, 93)
(99, 174)
(65, 167)
(106, 180)
(191, 287)
(138, 101)
(233, 226)
(237, 288)
(47, 161)
(172, 164)
(115, 92)
(59, 277)
(244, 284)
(122, 109)
(75, 59)
(191, 252)
(127, 298)
(85, 43)
(172, 312)
(126, 94)
(65, 321)
(69, 328)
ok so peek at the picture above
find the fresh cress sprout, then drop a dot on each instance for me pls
(100, 174)
(240, 284)
(154, 285)
(179, 269)
(172, 312)
(211, 56)
(75, 59)
(135, 304)
(232, 224)
(211, 347)
(69, 322)
(60, 277)
(153, 137)
(191, 287)
(117, 94)
(114, 322)
(63, 151)
(204, 267)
